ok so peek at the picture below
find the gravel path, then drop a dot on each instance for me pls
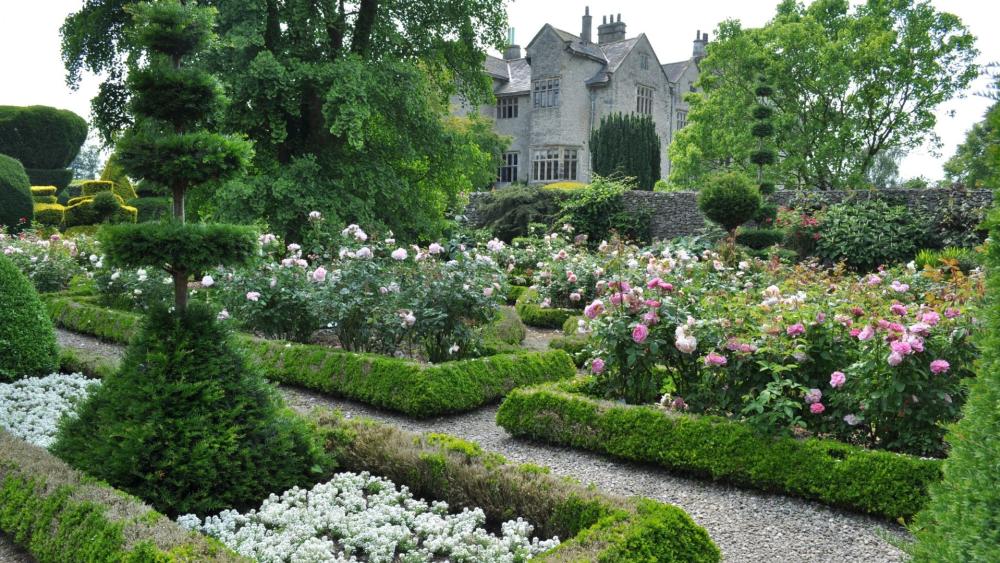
(538, 338)
(748, 526)
(10, 553)
(78, 341)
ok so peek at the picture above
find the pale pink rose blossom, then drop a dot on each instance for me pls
(940, 366)
(253, 295)
(597, 366)
(639, 333)
(837, 379)
(817, 408)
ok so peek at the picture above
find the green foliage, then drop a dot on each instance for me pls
(182, 159)
(49, 214)
(41, 136)
(729, 200)
(175, 96)
(593, 526)
(59, 514)
(27, 341)
(975, 163)
(188, 426)
(626, 145)
(171, 245)
(106, 324)
(16, 208)
(964, 259)
(866, 234)
(113, 172)
(58, 177)
(509, 212)
(151, 208)
(962, 519)
(103, 207)
(94, 187)
(507, 331)
(881, 483)
(533, 314)
(574, 345)
(402, 385)
(37, 191)
(759, 238)
(599, 212)
(830, 66)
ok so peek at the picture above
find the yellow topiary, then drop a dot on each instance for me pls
(43, 190)
(564, 186)
(50, 214)
(94, 187)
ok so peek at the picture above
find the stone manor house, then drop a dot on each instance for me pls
(550, 99)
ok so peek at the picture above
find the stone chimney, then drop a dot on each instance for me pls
(585, 32)
(611, 31)
(700, 40)
(513, 51)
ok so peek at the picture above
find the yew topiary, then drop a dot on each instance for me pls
(27, 341)
(16, 204)
(729, 199)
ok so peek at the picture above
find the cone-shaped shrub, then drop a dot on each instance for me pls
(27, 341)
(16, 205)
(962, 519)
(187, 426)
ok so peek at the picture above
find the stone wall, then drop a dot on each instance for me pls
(676, 214)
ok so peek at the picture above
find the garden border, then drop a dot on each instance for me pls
(593, 525)
(401, 385)
(882, 483)
(60, 514)
(534, 315)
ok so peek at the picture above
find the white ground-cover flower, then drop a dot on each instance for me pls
(365, 517)
(31, 408)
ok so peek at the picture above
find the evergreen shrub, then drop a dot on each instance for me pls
(41, 137)
(27, 341)
(50, 214)
(16, 205)
(729, 199)
(759, 238)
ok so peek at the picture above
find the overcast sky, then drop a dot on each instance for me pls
(33, 72)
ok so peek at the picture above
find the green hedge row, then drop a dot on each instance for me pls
(397, 384)
(593, 526)
(535, 315)
(882, 483)
(575, 346)
(59, 514)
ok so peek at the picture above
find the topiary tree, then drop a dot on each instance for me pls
(27, 341)
(16, 204)
(962, 520)
(44, 139)
(729, 199)
(184, 423)
(626, 145)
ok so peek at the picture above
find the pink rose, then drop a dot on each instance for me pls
(639, 333)
(253, 295)
(939, 366)
(814, 396)
(575, 296)
(714, 359)
(866, 333)
(597, 366)
(837, 379)
(817, 408)
(898, 309)
(931, 318)
(653, 283)
(616, 298)
(951, 313)
(895, 359)
(900, 347)
(594, 309)
(795, 329)
(488, 291)
(319, 274)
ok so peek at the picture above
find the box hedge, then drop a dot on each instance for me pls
(16, 205)
(27, 341)
(592, 525)
(59, 514)
(402, 385)
(50, 214)
(58, 177)
(41, 136)
(535, 315)
(877, 482)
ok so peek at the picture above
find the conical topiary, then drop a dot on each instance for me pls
(27, 341)
(184, 424)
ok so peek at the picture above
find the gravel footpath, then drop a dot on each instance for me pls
(748, 526)
(538, 338)
(10, 553)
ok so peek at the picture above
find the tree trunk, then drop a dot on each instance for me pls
(180, 290)
(179, 203)
(364, 26)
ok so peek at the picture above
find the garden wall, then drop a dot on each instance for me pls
(676, 214)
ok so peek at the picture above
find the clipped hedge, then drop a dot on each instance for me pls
(151, 208)
(27, 341)
(41, 136)
(535, 315)
(94, 187)
(397, 384)
(882, 483)
(575, 346)
(16, 205)
(59, 514)
(593, 526)
(50, 214)
(58, 177)
(759, 238)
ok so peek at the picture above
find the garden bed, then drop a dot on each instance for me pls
(398, 384)
(882, 483)
(533, 314)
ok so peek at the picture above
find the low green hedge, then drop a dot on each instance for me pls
(514, 293)
(593, 526)
(571, 325)
(882, 483)
(59, 514)
(575, 346)
(402, 385)
(535, 315)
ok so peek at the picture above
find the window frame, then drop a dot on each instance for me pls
(545, 93)
(644, 103)
(507, 107)
(510, 166)
(555, 164)
(681, 118)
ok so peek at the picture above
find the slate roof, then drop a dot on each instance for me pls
(675, 70)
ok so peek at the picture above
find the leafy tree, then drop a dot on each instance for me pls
(976, 163)
(849, 85)
(628, 146)
(344, 100)
(87, 164)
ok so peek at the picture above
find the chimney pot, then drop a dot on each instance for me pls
(619, 17)
(585, 34)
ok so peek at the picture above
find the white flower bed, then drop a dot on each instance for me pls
(31, 408)
(360, 517)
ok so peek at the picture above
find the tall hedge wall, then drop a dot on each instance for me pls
(16, 205)
(41, 136)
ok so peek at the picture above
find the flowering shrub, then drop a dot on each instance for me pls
(360, 515)
(32, 407)
(49, 262)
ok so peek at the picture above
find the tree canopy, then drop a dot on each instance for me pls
(976, 162)
(848, 84)
(344, 100)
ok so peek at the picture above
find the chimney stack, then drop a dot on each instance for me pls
(585, 32)
(613, 31)
(513, 51)
(700, 40)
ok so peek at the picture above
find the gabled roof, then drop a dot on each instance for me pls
(616, 52)
(520, 78)
(674, 71)
(497, 68)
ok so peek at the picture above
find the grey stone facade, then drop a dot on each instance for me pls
(615, 74)
(676, 214)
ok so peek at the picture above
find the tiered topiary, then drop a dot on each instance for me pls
(44, 139)
(184, 424)
(962, 520)
(762, 130)
(27, 341)
(150, 206)
(16, 207)
(100, 202)
(729, 199)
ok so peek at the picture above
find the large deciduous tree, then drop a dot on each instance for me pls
(343, 99)
(976, 162)
(849, 85)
